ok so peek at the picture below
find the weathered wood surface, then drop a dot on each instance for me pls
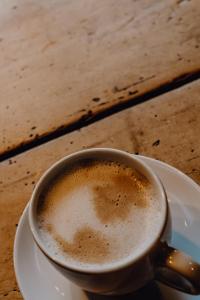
(165, 128)
(63, 61)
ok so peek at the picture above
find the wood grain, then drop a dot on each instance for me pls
(64, 61)
(165, 128)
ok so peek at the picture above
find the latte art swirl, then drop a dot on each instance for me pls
(98, 212)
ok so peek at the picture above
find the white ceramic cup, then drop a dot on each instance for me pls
(156, 261)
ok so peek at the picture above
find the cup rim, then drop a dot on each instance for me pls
(115, 266)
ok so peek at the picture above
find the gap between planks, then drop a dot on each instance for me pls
(91, 117)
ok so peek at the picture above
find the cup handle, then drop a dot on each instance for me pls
(177, 269)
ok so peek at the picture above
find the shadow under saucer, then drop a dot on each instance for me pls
(150, 291)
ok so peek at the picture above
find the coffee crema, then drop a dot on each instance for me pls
(97, 213)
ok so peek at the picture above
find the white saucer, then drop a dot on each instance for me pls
(38, 280)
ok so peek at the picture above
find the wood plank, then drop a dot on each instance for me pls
(63, 61)
(165, 128)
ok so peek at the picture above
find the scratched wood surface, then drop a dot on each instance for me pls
(65, 61)
(165, 128)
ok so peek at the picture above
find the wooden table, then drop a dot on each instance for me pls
(71, 75)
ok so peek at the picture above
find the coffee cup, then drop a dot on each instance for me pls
(102, 219)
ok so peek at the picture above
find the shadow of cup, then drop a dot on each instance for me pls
(150, 291)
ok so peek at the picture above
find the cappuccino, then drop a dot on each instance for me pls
(98, 213)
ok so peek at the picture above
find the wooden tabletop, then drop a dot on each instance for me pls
(80, 74)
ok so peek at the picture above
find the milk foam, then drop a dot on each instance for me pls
(69, 207)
